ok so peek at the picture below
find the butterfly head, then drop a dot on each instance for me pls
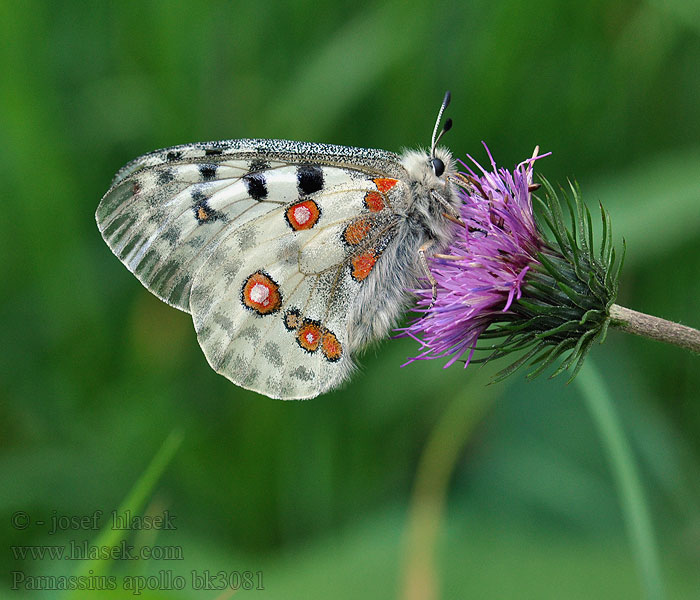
(432, 196)
(432, 190)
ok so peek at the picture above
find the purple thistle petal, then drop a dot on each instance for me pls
(497, 247)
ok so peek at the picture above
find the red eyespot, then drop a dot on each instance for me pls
(330, 346)
(309, 336)
(384, 185)
(261, 294)
(363, 264)
(303, 215)
(356, 231)
(374, 201)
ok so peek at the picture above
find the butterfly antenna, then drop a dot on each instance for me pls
(448, 124)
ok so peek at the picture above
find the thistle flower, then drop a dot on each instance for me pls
(505, 281)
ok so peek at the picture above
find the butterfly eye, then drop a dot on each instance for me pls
(438, 166)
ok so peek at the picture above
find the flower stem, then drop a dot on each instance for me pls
(655, 328)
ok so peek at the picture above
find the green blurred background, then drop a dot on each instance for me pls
(408, 483)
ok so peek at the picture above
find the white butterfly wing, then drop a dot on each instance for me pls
(296, 345)
(251, 237)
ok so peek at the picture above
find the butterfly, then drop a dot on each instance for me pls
(290, 256)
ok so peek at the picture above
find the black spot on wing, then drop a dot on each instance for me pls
(302, 373)
(173, 155)
(309, 179)
(258, 164)
(202, 211)
(208, 172)
(165, 176)
(256, 185)
(213, 151)
(292, 319)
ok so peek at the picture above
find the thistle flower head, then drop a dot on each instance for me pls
(504, 280)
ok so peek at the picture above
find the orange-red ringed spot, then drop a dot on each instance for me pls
(374, 201)
(384, 185)
(303, 215)
(363, 264)
(309, 335)
(356, 231)
(330, 346)
(261, 294)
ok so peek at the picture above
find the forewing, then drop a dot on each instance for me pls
(167, 211)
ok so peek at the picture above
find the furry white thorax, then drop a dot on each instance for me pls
(384, 295)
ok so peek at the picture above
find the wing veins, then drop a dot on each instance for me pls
(253, 222)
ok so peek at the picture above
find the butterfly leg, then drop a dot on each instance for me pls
(424, 261)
